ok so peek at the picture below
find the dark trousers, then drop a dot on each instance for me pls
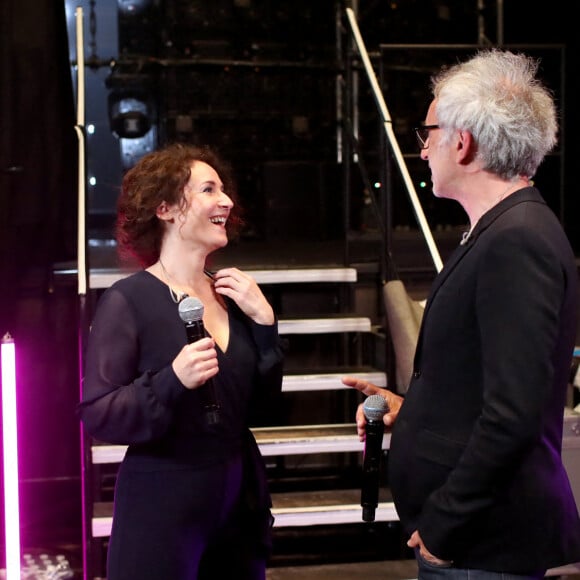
(180, 523)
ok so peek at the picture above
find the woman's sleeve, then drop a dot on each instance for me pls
(121, 404)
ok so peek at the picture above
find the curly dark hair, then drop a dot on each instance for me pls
(161, 176)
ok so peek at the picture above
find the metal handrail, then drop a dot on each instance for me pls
(388, 127)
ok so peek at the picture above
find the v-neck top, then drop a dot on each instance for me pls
(132, 396)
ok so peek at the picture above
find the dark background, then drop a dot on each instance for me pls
(38, 168)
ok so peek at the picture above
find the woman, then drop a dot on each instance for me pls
(191, 497)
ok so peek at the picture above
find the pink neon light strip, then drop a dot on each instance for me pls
(10, 448)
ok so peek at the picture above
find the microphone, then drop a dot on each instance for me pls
(374, 409)
(191, 312)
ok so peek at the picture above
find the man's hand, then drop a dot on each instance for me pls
(415, 541)
(394, 402)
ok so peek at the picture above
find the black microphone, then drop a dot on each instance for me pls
(191, 312)
(374, 409)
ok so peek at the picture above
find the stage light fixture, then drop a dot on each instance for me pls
(130, 117)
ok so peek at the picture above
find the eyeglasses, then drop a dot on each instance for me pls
(422, 134)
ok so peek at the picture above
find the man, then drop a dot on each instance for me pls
(475, 458)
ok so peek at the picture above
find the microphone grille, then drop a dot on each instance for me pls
(375, 407)
(190, 309)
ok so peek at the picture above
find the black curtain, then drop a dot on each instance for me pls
(38, 208)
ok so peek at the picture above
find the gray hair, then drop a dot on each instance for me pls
(497, 98)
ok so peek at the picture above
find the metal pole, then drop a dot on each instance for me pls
(82, 277)
(388, 127)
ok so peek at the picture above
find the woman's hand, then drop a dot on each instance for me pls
(394, 402)
(246, 293)
(196, 363)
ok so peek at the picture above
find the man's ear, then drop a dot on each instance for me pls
(465, 147)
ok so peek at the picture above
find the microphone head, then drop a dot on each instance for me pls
(190, 310)
(375, 407)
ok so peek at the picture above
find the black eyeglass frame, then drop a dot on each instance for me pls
(422, 134)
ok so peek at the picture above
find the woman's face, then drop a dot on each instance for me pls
(203, 219)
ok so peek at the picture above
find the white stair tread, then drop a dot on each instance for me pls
(313, 516)
(324, 325)
(303, 275)
(331, 514)
(308, 439)
(329, 381)
(290, 509)
(274, 441)
(105, 277)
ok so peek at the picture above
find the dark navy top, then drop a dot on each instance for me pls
(132, 396)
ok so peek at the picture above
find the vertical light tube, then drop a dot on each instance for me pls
(80, 129)
(10, 449)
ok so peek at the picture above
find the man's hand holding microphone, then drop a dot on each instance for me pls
(393, 401)
(369, 415)
(373, 415)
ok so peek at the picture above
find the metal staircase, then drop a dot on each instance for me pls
(318, 432)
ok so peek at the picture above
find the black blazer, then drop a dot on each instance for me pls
(475, 458)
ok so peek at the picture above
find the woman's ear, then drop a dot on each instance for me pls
(163, 212)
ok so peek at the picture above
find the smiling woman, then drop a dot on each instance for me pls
(148, 382)
(162, 180)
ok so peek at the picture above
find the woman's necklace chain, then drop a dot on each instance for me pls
(177, 297)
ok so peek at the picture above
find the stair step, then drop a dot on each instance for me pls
(289, 509)
(309, 439)
(329, 381)
(303, 275)
(275, 441)
(328, 324)
(105, 277)
(311, 508)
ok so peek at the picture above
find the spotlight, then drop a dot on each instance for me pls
(130, 117)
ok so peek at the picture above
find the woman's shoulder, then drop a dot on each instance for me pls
(135, 287)
(139, 293)
(140, 279)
